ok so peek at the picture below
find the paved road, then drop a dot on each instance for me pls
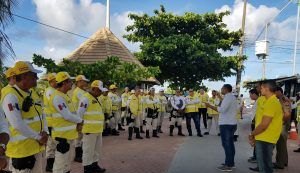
(204, 155)
(178, 154)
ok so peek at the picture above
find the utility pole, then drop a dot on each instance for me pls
(241, 51)
(296, 40)
(108, 14)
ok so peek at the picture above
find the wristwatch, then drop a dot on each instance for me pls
(3, 146)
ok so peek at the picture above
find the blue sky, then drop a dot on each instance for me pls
(87, 16)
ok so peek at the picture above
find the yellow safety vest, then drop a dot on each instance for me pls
(75, 99)
(161, 106)
(212, 101)
(191, 107)
(106, 104)
(20, 146)
(203, 98)
(151, 105)
(47, 110)
(93, 116)
(135, 105)
(5, 88)
(62, 128)
(115, 107)
(124, 101)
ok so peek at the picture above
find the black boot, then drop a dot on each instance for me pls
(138, 135)
(141, 129)
(88, 169)
(114, 132)
(49, 166)
(120, 127)
(78, 154)
(122, 121)
(155, 134)
(171, 130)
(130, 131)
(180, 131)
(97, 168)
(159, 130)
(147, 134)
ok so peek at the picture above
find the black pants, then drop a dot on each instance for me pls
(189, 117)
(203, 112)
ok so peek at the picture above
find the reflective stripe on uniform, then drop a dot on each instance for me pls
(93, 113)
(62, 129)
(17, 138)
(92, 122)
(32, 120)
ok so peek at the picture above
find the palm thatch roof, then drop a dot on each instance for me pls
(102, 44)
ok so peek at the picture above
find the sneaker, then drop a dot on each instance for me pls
(256, 169)
(233, 167)
(252, 160)
(224, 168)
(206, 133)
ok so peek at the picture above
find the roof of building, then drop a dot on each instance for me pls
(101, 45)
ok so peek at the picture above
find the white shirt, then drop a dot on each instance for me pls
(177, 102)
(65, 111)
(228, 110)
(294, 106)
(14, 117)
(115, 99)
(253, 110)
(188, 101)
(3, 123)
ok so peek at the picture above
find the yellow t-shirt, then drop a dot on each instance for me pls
(270, 107)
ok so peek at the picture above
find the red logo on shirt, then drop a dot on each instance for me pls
(60, 107)
(10, 107)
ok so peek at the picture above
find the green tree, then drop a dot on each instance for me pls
(112, 70)
(6, 50)
(186, 47)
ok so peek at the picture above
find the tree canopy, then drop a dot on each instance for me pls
(186, 47)
(112, 70)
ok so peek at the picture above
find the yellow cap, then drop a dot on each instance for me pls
(97, 84)
(62, 76)
(51, 76)
(81, 77)
(10, 72)
(24, 67)
(113, 86)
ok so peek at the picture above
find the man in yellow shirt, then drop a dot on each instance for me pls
(268, 126)
(203, 98)
(10, 75)
(81, 85)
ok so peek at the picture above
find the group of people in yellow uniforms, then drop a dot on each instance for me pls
(67, 118)
(57, 123)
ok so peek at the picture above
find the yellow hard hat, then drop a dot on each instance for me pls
(97, 84)
(81, 77)
(113, 86)
(25, 66)
(10, 72)
(51, 76)
(62, 76)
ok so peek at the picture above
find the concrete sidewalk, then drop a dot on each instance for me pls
(198, 155)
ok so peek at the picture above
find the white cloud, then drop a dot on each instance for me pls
(82, 17)
(256, 18)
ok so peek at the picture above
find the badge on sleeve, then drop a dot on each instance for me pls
(62, 106)
(11, 106)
